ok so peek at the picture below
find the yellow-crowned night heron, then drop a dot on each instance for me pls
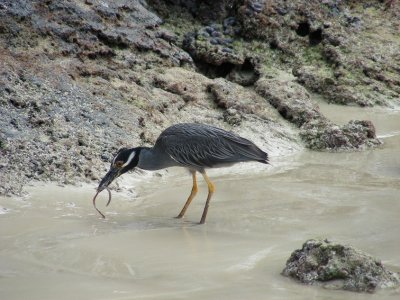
(192, 146)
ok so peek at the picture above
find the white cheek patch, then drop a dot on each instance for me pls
(130, 158)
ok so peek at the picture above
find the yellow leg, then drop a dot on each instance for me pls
(211, 189)
(191, 196)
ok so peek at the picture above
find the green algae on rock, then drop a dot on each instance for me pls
(337, 266)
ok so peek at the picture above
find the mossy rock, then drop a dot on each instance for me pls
(338, 266)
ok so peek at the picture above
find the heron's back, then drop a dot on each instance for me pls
(202, 146)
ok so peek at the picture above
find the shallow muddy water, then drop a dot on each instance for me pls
(53, 245)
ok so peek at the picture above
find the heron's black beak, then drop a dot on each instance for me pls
(108, 178)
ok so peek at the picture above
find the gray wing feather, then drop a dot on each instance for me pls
(198, 145)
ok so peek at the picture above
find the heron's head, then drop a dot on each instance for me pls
(125, 160)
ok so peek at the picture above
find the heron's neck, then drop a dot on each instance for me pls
(151, 159)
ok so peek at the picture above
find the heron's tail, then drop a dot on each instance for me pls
(265, 159)
(252, 152)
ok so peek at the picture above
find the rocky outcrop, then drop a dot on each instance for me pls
(79, 79)
(337, 266)
(215, 55)
(294, 103)
(95, 29)
(53, 129)
(332, 46)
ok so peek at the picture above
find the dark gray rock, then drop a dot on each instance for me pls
(95, 30)
(204, 10)
(338, 266)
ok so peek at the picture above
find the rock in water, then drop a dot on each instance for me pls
(337, 266)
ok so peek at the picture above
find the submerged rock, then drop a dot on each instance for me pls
(337, 266)
(323, 134)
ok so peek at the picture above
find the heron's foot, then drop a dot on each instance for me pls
(179, 216)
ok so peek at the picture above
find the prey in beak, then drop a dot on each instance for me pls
(125, 160)
(108, 202)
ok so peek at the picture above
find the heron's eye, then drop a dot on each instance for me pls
(119, 164)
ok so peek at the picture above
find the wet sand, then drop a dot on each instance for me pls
(54, 245)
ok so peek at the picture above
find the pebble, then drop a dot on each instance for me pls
(257, 7)
(229, 21)
(214, 41)
(216, 34)
(229, 31)
(215, 26)
(204, 34)
(282, 11)
(209, 29)
(248, 12)
(228, 41)
(228, 50)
